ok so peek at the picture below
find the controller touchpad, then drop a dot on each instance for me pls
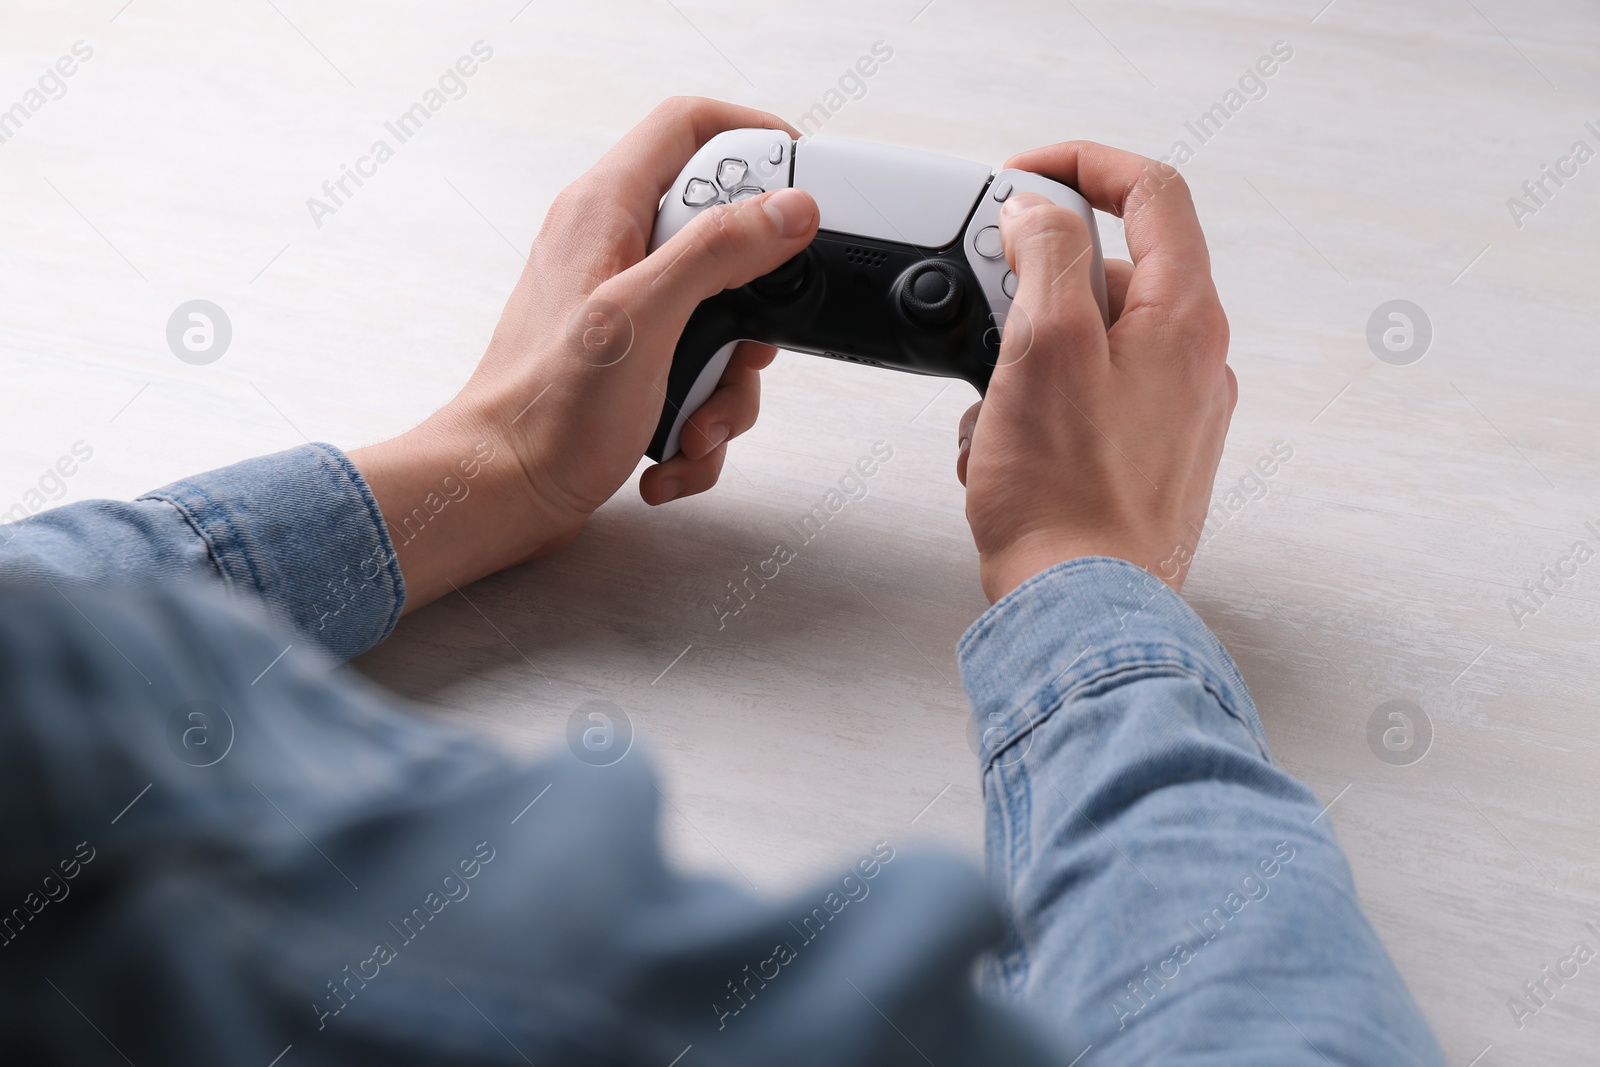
(887, 192)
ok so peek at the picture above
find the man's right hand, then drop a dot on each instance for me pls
(1092, 442)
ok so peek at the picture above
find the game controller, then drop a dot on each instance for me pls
(906, 271)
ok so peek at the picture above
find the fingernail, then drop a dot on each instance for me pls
(669, 489)
(789, 210)
(717, 434)
(961, 445)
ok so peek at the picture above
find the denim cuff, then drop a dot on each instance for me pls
(300, 531)
(1079, 624)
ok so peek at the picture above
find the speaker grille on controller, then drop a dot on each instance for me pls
(865, 257)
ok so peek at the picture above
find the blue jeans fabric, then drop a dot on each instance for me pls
(338, 880)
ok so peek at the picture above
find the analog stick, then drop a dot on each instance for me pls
(931, 292)
(785, 281)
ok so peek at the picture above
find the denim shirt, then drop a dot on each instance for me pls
(220, 852)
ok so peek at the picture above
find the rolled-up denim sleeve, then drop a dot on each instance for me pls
(298, 531)
(1173, 896)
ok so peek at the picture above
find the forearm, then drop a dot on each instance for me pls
(1174, 894)
(455, 496)
(298, 531)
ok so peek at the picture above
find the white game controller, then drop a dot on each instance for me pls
(907, 270)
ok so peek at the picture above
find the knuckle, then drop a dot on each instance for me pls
(1156, 180)
(1194, 314)
(1052, 328)
(748, 411)
(1053, 224)
(1155, 176)
(716, 231)
(1051, 233)
(1070, 333)
(1170, 178)
(1209, 330)
(711, 243)
(565, 207)
(616, 241)
(772, 122)
(678, 108)
(614, 292)
(1224, 333)
(593, 210)
(1199, 328)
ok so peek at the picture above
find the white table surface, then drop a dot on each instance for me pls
(829, 714)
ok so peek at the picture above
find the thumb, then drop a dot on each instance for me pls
(721, 249)
(1050, 250)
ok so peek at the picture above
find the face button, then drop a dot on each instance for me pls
(699, 193)
(1002, 191)
(930, 293)
(988, 244)
(1008, 284)
(775, 154)
(746, 192)
(731, 172)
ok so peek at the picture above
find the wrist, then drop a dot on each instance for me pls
(1002, 570)
(457, 504)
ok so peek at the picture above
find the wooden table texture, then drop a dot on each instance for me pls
(1400, 152)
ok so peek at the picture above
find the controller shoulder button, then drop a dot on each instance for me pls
(699, 193)
(987, 243)
(731, 172)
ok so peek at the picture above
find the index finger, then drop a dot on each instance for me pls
(1151, 198)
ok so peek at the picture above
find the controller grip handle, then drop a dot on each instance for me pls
(701, 356)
